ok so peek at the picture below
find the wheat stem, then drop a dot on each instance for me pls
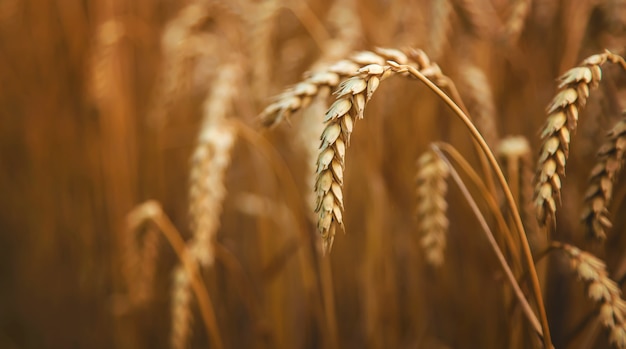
(507, 192)
(492, 241)
(153, 211)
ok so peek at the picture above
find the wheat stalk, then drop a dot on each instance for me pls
(603, 176)
(601, 289)
(562, 120)
(431, 210)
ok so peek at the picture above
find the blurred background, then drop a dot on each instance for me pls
(100, 109)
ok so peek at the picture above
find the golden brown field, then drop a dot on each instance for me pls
(196, 174)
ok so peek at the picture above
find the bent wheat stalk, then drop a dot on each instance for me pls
(562, 120)
(492, 241)
(603, 176)
(502, 181)
(152, 211)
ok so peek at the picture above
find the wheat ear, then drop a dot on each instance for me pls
(603, 176)
(601, 289)
(480, 102)
(431, 210)
(300, 95)
(210, 160)
(562, 119)
(352, 95)
(142, 251)
(182, 317)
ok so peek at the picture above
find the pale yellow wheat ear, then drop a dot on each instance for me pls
(352, 96)
(562, 120)
(603, 176)
(601, 289)
(181, 45)
(480, 102)
(514, 25)
(142, 251)
(441, 13)
(210, 160)
(516, 156)
(300, 95)
(182, 317)
(432, 219)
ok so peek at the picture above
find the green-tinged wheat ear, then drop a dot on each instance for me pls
(574, 87)
(603, 176)
(431, 188)
(602, 290)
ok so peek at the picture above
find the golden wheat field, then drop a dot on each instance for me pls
(312, 174)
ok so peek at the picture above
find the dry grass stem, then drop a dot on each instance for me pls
(431, 188)
(601, 289)
(492, 241)
(574, 87)
(510, 200)
(603, 177)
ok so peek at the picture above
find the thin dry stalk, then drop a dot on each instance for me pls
(152, 211)
(532, 318)
(562, 120)
(480, 141)
(600, 289)
(142, 251)
(432, 206)
(603, 177)
(210, 161)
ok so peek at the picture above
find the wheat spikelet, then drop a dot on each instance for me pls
(141, 252)
(441, 13)
(515, 23)
(562, 119)
(515, 151)
(181, 45)
(181, 315)
(352, 95)
(431, 210)
(300, 95)
(210, 160)
(602, 290)
(603, 177)
(480, 102)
